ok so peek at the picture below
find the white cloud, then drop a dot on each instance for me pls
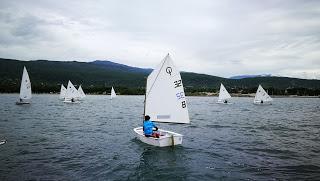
(221, 38)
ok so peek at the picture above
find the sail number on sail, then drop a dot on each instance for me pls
(180, 95)
(177, 84)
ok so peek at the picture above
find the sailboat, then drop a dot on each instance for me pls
(81, 94)
(63, 91)
(224, 95)
(2, 142)
(165, 102)
(25, 88)
(262, 97)
(71, 94)
(113, 93)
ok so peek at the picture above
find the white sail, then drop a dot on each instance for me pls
(262, 96)
(223, 93)
(71, 92)
(81, 93)
(25, 88)
(63, 91)
(165, 98)
(113, 93)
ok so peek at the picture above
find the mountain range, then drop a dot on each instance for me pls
(100, 75)
(249, 76)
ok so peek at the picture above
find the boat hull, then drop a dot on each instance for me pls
(221, 102)
(264, 103)
(22, 103)
(167, 138)
(2, 142)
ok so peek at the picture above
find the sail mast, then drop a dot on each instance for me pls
(145, 98)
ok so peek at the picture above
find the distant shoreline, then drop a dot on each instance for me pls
(193, 95)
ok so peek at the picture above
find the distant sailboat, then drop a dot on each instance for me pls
(164, 102)
(2, 142)
(71, 94)
(81, 93)
(63, 91)
(25, 88)
(262, 97)
(113, 94)
(224, 95)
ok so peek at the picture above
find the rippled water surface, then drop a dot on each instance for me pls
(94, 140)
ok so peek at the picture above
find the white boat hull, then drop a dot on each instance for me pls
(2, 142)
(22, 103)
(167, 138)
(70, 102)
(222, 102)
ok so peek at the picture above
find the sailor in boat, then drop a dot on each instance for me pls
(20, 100)
(225, 101)
(261, 102)
(72, 99)
(149, 128)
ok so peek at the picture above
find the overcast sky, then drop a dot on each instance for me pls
(222, 38)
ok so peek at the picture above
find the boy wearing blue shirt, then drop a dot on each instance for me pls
(149, 128)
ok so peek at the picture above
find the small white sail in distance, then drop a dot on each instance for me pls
(71, 92)
(63, 91)
(223, 94)
(262, 96)
(113, 93)
(81, 93)
(165, 97)
(25, 88)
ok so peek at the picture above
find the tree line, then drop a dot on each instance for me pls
(6, 87)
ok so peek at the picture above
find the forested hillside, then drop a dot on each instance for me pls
(99, 76)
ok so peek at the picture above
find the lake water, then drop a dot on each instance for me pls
(94, 140)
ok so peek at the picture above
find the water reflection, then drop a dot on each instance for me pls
(161, 164)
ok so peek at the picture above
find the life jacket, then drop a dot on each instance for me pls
(148, 127)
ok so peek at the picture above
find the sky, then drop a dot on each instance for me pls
(221, 38)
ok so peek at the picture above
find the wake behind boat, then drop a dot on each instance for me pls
(25, 89)
(164, 102)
